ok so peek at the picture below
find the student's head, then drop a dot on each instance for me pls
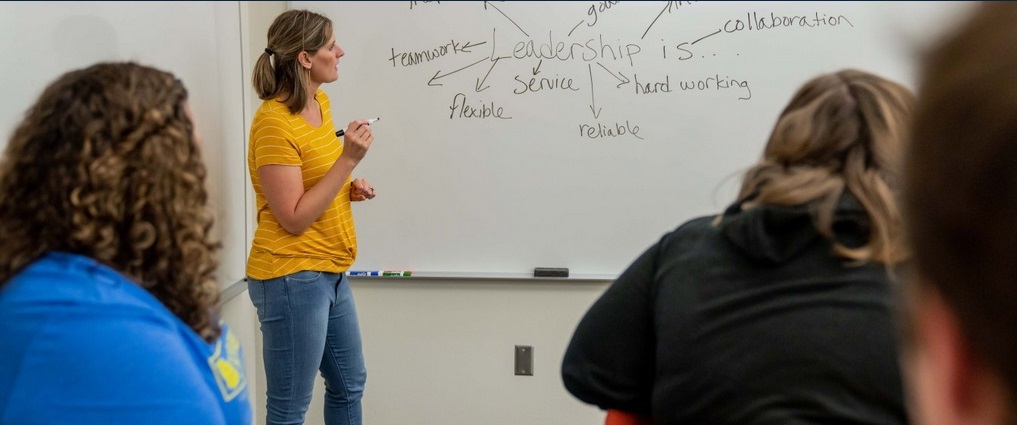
(302, 53)
(105, 164)
(840, 132)
(960, 205)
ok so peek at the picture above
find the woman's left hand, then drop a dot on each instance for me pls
(361, 190)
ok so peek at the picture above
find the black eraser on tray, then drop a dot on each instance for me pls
(551, 272)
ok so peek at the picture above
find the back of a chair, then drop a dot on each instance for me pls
(618, 417)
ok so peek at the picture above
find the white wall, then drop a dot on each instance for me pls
(441, 352)
(256, 18)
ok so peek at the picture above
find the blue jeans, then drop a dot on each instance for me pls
(309, 323)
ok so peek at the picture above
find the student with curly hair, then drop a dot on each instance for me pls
(107, 292)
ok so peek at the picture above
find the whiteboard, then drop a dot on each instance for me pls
(516, 135)
(199, 42)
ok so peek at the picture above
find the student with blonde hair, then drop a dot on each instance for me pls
(780, 309)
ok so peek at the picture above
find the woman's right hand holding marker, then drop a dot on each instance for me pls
(357, 140)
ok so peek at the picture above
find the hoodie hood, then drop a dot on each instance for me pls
(778, 233)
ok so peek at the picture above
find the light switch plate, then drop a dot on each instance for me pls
(524, 360)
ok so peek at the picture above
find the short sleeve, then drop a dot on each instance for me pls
(273, 142)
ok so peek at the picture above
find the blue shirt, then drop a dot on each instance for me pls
(80, 343)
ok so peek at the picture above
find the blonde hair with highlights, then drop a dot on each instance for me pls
(840, 131)
(278, 72)
(105, 164)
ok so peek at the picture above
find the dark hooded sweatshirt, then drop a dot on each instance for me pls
(754, 321)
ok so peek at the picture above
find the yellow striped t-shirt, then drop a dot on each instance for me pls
(330, 243)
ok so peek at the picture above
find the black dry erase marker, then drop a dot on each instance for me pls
(340, 133)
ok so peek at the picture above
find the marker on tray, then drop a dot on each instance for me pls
(387, 273)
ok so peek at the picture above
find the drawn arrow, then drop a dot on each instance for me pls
(623, 80)
(593, 97)
(432, 83)
(480, 83)
(471, 45)
(667, 8)
(706, 36)
(537, 69)
(577, 26)
(506, 17)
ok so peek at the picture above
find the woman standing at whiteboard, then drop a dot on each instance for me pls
(305, 238)
(780, 310)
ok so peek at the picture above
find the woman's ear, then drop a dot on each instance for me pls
(304, 59)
